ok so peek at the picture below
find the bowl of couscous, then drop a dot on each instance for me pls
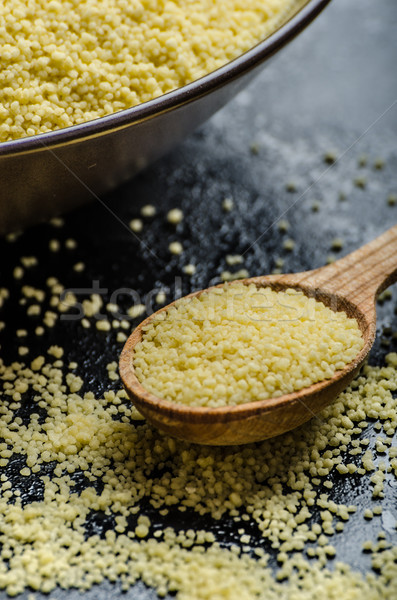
(92, 92)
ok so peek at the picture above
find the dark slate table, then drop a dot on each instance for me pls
(333, 89)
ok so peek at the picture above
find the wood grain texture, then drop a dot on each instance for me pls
(351, 284)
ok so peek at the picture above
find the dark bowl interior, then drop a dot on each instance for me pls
(45, 175)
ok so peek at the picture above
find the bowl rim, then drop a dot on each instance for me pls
(174, 99)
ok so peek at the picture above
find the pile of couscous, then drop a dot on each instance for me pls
(67, 62)
(90, 464)
(239, 343)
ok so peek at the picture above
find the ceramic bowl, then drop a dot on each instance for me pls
(47, 174)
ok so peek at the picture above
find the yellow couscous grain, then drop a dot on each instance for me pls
(189, 269)
(64, 63)
(175, 216)
(238, 343)
(46, 543)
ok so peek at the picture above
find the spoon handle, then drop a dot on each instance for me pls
(363, 274)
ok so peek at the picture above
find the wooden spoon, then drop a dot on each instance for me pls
(350, 284)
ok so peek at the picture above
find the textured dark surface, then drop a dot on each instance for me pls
(332, 89)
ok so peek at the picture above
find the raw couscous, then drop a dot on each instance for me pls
(67, 62)
(125, 471)
(239, 343)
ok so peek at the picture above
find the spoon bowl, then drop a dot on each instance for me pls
(349, 285)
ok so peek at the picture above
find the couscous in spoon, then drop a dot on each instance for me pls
(350, 284)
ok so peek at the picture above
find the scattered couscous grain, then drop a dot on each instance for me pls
(227, 204)
(28, 261)
(112, 307)
(103, 325)
(136, 311)
(290, 186)
(161, 297)
(337, 244)
(12, 237)
(175, 216)
(234, 259)
(379, 163)
(57, 222)
(121, 337)
(189, 269)
(18, 273)
(70, 244)
(330, 156)
(148, 210)
(175, 248)
(360, 182)
(54, 245)
(279, 262)
(228, 276)
(289, 244)
(392, 199)
(33, 310)
(79, 267)
(315, 206)
(136, 225)
(283, 225)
